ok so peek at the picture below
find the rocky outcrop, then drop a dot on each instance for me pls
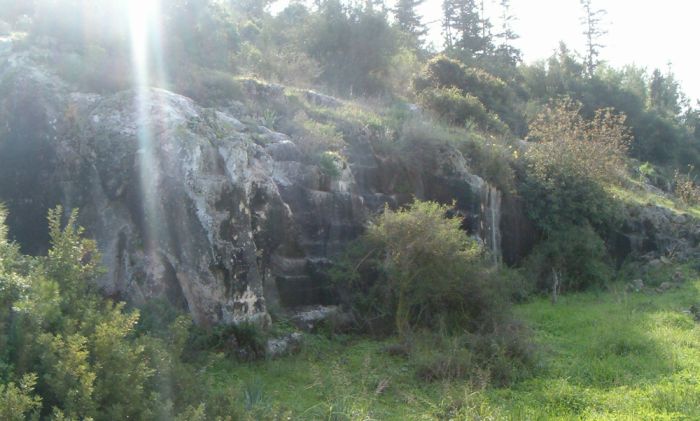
(203, 207)
(652, 231)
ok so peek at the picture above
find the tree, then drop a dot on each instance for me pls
(408, 20)
(507, 35)
(665, 95)
(354, 46)
(466, 32)
(570, 162)
(592, 20)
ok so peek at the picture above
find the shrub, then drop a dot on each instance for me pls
(83, 352)
(331, 164)
(451, 105)
(443, 74)
(575, 255)
(314, 138)
(685, 188)
(208, 87)
(244, 341)
(418, 268)
(497, 357)
(569, 163)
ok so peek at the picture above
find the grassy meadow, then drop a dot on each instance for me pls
(613, 355)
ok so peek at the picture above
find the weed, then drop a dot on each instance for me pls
(253, 393)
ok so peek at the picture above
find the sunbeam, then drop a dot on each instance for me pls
(146, 52)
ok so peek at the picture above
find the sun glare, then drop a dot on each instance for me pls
(146, 56)
(143, 29)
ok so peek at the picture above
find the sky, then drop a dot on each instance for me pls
(648, 33)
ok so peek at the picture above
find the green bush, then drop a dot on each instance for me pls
(68, 352)
(487, 98)
(569, 163)
(457, 108)
(575, 254)
(686, 188)
(18, 402)
(417, 268)
(331, 164)
(314, 138)
(497, 357)
(208, 87)
(244, 341)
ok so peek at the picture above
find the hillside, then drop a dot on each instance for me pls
(312, 215)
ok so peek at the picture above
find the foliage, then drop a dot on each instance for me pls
(490, 157)
(417, 267)
(68, 352)
(570, 161)
(353, 45)
(17, 402)
(459, 93)
(314, 138)
(208, 87)
(459, 109)
(575, 255)
(685, 188)
(408, 20)
(653, 103)
(647, 170)
(466, 29)
(331, 164)
(496, 358)
(243, 342)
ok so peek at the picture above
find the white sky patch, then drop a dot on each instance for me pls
(647, 33)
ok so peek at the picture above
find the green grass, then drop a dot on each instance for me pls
(636, 195)
(611, 355)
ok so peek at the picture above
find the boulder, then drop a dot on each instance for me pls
(283, 345)
(636, 285)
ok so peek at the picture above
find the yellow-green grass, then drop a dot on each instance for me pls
(636, 194)
(612, 355)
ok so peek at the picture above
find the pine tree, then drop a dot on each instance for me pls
(486, 27)
(665, 95)
(592, 30)
(449, 16)
(507, 35)
(467, 34)
(408, 19)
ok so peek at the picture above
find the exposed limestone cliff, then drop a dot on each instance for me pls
(204, 207)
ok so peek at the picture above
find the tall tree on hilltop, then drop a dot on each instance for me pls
(449, 16)
(486, 25)
(408, 19)
(665, 95)
(507, 34)
(466, 32)
(593, 32)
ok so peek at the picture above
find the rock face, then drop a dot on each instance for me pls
(219, 217)
(655, 231)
